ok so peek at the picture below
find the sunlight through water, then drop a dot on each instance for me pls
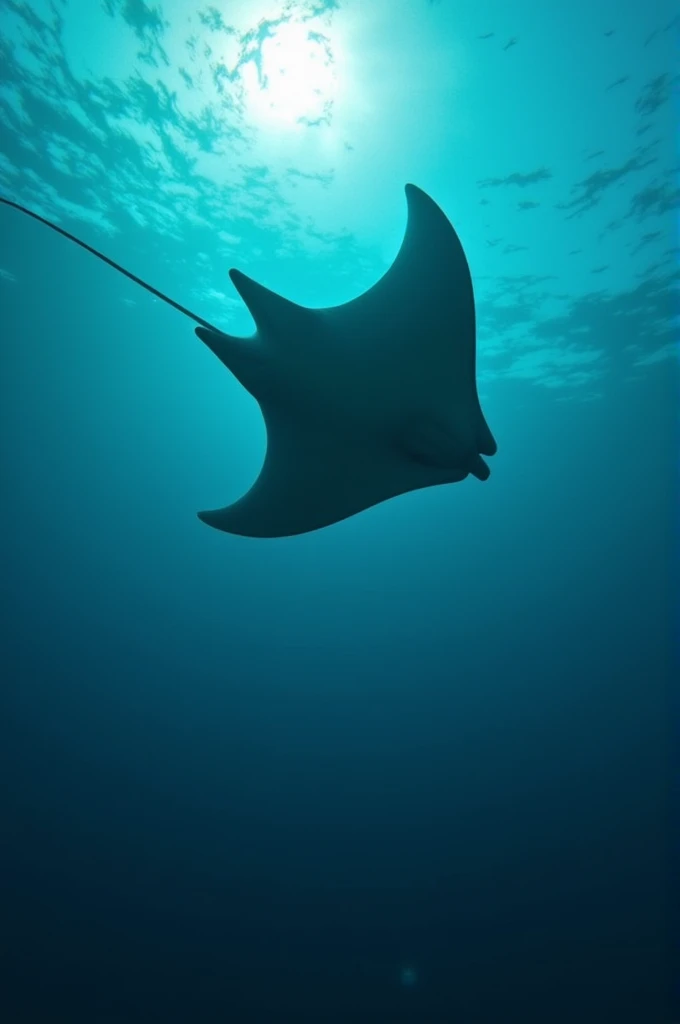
(295, 81)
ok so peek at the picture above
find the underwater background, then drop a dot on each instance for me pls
(414, 767)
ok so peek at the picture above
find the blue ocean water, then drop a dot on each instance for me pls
(413, 768)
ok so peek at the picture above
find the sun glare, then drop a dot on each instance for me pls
(296, 82)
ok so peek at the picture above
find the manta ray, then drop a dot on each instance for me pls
(362, 401)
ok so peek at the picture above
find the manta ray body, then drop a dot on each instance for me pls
(362, 401)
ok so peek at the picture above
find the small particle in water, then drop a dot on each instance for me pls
(408, 977)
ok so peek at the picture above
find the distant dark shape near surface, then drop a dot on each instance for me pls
(362, 401)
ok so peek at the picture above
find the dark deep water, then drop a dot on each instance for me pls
(255, 780)
(419, 768)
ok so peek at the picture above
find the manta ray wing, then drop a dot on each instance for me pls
(365, 400)
(361, 401)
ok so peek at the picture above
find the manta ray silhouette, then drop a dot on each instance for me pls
(362, 401)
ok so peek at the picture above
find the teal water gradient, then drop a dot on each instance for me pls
(260, 780)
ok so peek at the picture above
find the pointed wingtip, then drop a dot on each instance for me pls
(237, 275)
(414, 192)
(272, 313)
(247, 288)
(216, 341)
(423, 208)
(207, 518)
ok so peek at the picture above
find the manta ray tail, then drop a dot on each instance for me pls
(116, 266)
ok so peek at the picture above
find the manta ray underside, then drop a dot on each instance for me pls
(362, 401)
